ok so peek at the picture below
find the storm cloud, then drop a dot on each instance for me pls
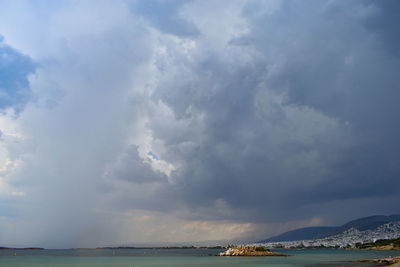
(172, 121)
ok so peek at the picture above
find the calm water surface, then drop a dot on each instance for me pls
(180, 257)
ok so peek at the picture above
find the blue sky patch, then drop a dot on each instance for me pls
(154, 156)
(14, 85)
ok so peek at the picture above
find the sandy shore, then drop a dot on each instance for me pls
(395, 261)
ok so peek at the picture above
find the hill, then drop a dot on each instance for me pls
(302, 234)
(361, 224)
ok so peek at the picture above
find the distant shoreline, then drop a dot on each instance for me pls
(28, 248)
(111, 248)
(377, 248)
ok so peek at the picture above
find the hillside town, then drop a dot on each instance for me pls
(346, 239)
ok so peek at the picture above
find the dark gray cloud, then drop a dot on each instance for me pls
(333, 135)
(345, 72)
(308, 119)
(130, 167)
(383, 23)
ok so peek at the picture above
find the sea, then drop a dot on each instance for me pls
(141, 257)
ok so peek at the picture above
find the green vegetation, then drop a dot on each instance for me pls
(380, 243)
(262, 249)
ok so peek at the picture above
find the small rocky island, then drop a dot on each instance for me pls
(249, 251)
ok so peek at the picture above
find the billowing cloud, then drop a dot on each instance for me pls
(170, 121)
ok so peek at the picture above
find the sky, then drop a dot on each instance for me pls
(167, 121)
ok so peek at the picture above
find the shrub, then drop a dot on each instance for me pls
(262, 249)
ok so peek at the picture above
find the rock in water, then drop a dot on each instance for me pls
(249, 251)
